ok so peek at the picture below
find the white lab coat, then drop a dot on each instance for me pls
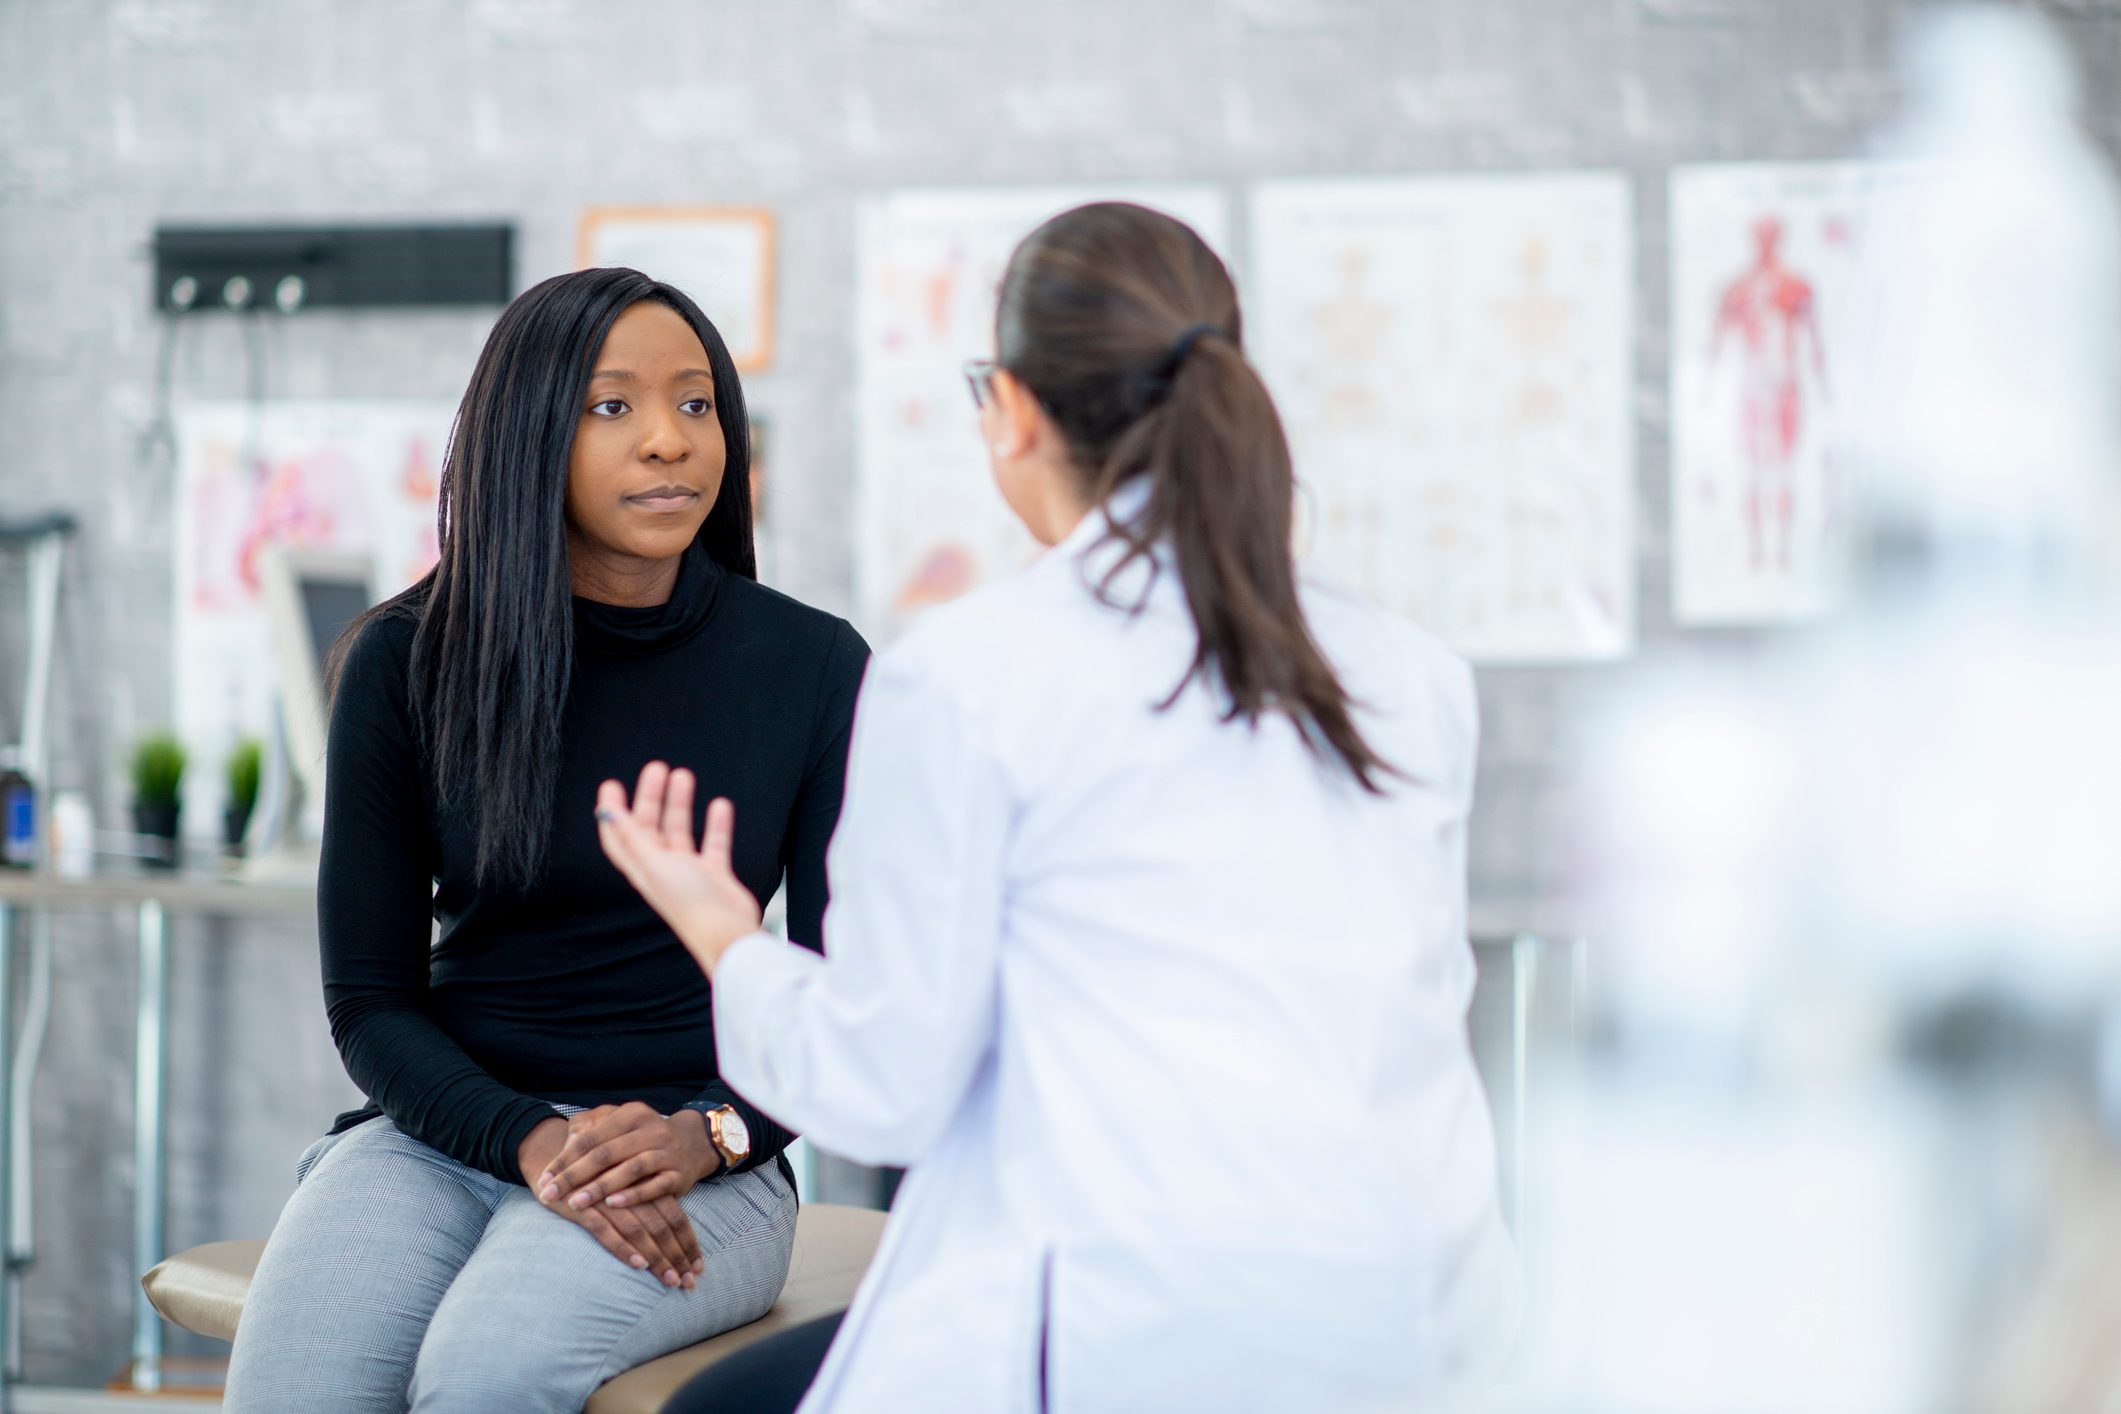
(1165, 1016)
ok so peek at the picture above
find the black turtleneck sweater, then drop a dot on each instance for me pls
(573, 992)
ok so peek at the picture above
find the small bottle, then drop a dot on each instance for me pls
(72, 841)
(18, 813)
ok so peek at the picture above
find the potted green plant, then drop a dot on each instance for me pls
(158, 777)
(244, 765)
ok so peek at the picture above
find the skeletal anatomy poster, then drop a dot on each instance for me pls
(352, 477)
(1763, 260)
(1452, 359)
(929, 523)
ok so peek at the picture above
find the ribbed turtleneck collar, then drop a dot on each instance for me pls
(620, 631)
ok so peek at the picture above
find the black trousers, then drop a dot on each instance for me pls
(769, 1376)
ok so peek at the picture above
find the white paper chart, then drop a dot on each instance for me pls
(1763, 303)
(929, 523)
(352, 477)
(1452, 359)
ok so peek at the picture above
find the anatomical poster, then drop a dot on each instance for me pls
(1452, 358)
(1763, 261)
(929, 524)
(349, 477)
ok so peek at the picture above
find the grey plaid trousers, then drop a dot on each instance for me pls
(400, 1279)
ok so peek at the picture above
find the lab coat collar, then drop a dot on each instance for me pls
(1121, 507)
(1088, 547)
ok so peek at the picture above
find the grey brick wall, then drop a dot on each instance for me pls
(115, 114)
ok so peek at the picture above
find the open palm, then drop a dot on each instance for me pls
(695, 890)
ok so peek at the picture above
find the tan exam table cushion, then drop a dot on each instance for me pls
(203, 1290)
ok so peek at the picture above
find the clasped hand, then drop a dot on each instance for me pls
(618, 1171)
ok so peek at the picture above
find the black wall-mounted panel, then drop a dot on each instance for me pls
(339, 267)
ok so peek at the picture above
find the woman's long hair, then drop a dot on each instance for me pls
(1125, 327)
(493, 649)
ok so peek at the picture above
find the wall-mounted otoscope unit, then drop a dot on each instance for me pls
(289, 268)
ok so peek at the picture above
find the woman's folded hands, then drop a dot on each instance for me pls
(647, 1231)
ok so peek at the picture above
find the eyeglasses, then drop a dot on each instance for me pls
(979, 377)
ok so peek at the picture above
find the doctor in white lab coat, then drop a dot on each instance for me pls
(1147, 948)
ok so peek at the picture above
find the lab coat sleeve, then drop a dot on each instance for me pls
(869, 1049)
(1466, 705)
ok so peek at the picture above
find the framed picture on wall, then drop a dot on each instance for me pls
(722, 256)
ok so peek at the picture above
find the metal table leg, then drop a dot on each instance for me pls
(7, 1121)
(1525, 951)
(150, 1091)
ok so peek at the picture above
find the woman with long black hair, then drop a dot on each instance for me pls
(1147, 944)
(489, 977)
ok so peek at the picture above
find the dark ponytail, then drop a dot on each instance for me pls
(1125, 327)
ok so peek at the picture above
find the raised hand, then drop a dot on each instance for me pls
(696, 891)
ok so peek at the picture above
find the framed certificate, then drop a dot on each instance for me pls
(722, 256)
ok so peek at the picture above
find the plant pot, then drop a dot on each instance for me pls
(159, 822)
(235, 823)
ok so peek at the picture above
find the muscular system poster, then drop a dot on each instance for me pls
(1763, 263)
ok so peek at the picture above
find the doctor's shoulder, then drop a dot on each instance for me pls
(1001, 641)
(1392, 664)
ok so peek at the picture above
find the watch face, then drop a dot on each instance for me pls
(735, 1133)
